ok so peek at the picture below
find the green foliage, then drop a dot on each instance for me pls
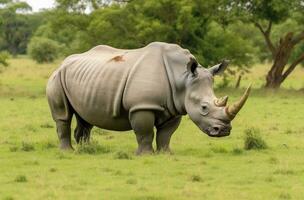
(191, 24)
(4, 55)
(253, 140)
(285, 16)
(68, 29)
(16, 27)
(43, 49)
(272, 10)
(226, 44)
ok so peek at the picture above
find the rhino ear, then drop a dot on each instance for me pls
(191, 66)
(219, 68)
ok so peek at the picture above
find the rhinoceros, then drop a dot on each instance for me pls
(139, 89)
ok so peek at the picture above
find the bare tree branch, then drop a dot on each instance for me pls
(266, 34)
(293, 66)
(268, 30)
(259, 26)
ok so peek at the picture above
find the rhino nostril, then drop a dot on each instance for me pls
(216, 128)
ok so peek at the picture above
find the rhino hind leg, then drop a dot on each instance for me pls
(62, 112)
(164, 133)
(82, 131)
(64, 134)
(142, 123)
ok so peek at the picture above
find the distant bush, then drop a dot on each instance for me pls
(4, 55)
(253, 140)
(43, 50)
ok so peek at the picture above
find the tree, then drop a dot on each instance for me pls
(191, 24)
(43, 49)
(264, 14)
(83, 6)
(15, 28)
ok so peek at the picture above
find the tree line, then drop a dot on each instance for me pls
(243, 31)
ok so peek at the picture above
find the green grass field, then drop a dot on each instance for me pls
(32, 167)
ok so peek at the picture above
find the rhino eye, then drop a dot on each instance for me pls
(204, 109)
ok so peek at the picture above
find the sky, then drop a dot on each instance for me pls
(40, 4)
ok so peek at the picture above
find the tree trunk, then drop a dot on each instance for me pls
(238, 82)
(272, 81)
(274, 77)
(280, 55)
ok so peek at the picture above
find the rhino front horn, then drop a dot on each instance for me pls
(233, 109)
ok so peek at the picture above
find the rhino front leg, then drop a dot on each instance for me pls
(164, 133)
(82, 131)
(142, 123)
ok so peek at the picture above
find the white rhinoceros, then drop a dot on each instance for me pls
(122, 89)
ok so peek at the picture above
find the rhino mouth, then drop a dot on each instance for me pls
(217, 131)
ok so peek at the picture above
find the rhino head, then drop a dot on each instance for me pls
(211, 114)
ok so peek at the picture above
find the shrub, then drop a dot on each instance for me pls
(196, 178)
(27, 147)
(131, 181)
(53, 169)
(253, 140)
(43, 49)
(48, 145)
(46, 125)
(4, 55)
(21, 179)
(237, 151)
(219, 150)
(91, 148)
(13, 149)
(123, 155)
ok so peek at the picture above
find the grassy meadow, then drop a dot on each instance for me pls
(32, 167)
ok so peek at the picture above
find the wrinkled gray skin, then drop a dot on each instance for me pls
(137, 89)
